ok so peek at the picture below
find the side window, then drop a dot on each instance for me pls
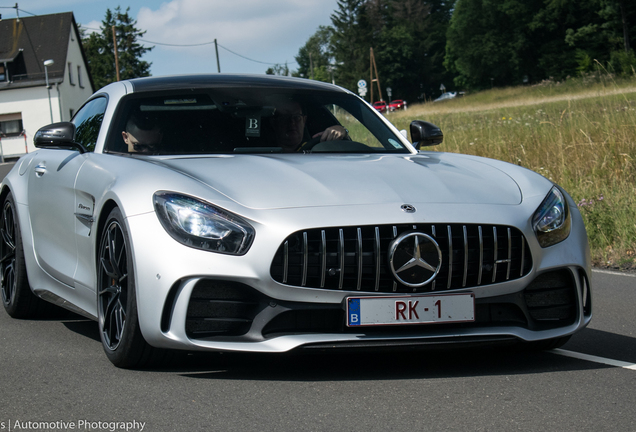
(87, 122)
(356, 130)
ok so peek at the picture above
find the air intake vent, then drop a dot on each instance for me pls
(551, 298)
(220, 308)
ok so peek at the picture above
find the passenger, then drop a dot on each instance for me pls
(142, 134)
(289, 128)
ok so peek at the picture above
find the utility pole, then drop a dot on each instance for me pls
(116, 55)
(218, 64)
(373, 67)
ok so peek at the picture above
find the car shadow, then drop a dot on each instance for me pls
(388, 364)
(603, 344)
(83, 326)
(397, 365)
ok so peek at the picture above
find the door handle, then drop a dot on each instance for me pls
(40, 169)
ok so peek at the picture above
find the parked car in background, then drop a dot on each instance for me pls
(446, 96)
(172, 211)
(397, 104)
(380, 106)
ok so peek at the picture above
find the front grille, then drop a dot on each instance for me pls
(356, 258)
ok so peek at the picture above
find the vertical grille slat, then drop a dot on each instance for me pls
(357, 258)
(494, 257)
(509, 254)
(465, 256)
(342, 258)
(481, 255)
(377, 258)
(286, 261)
(323, 258)
(305, 259)
(434, 235)
(450, 257)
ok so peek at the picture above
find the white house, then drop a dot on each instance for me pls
(33, 50)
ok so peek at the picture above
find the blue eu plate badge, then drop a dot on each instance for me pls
(354, 311)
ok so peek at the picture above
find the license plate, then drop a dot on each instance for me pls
(444, 308)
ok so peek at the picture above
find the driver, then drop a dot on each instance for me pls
(142, 134)
(289, 128)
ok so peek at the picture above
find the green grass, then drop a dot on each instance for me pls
(581, 134)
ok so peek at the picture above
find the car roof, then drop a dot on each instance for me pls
(179, 82)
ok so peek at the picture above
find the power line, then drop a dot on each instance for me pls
(247, 58)
(202, 44)
(20, 10)
(177, 45)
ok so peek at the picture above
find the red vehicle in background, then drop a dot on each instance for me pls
(397, 105)
(381, 106)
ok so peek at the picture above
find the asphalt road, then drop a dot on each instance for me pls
(54, 376)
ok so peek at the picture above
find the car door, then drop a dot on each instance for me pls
(52, 197)
(51, 205)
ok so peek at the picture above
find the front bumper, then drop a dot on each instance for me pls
(195, 300)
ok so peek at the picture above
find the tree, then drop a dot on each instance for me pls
(411, 46)
(99, 49)
(315, 60)
(350, 43)
(491, 42)
(501, 42)
(278, 69)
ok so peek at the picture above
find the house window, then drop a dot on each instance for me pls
(70, 74)
(10, 125)
(79, 77)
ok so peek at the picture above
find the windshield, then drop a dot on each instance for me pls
(249, 120)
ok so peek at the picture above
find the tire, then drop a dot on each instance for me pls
(119, 330)
(17, 298)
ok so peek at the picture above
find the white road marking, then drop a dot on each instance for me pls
(595, 359)
(615, 273)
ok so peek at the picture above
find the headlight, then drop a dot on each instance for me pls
(200, 225)
(551, 221)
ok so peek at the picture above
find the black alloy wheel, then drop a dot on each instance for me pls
(113, 292)
(116, 299)
(8, 260)
(17, 297)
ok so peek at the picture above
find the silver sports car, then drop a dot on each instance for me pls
(266, 214)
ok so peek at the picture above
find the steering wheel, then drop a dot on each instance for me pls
(311, 143)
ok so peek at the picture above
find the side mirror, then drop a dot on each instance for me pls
(424, 134)
(58, 135)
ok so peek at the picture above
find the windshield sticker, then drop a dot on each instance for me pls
(394, 143)
(253, 126)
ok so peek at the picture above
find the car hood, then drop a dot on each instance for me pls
(296, 180)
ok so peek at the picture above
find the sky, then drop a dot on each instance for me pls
(252, 34)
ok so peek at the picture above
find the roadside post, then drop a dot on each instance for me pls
(362, 88)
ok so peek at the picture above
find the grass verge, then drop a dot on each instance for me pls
(581, 134)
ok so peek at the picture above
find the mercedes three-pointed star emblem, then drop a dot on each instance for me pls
(415, 258)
